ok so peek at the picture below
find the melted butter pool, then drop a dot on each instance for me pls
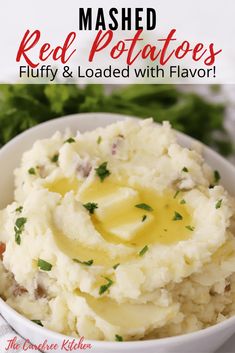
(119, 221)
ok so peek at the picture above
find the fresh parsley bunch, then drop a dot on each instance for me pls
(23, 106)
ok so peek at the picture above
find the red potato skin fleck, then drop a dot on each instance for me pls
(2, 250)
(85, 169)
(19, 290)
(40, 292)
(116, 144)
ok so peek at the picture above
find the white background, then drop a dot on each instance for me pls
(203, 21)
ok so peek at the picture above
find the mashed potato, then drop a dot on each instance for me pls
(118, 234)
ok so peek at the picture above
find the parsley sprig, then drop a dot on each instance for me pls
(32, 171)
(144, 217)
(177, 217)
(115, 266)
(144, 250)
(217, 176)
(144, 206)
(118, 338)
(185, 169)
(70, 140)
(102, 172)
(90, 206)
(86, 263)
(19, 209)
(55, 158)
(176, 194)
(19, 228)
(44, 265)
(218, 204)
(38, 322)
(190, 228)
(106, 286)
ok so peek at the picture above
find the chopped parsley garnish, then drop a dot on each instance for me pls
(38, 322)
(44, 265)
(32, 171)
(55, 158)
(118, 338)
(182, 202)
(91, 206)
(87, 263)
(99, 140)
(19, 209)
(185, 170)
(144, 217)
(217, 176)
(115, 266)
(218, 204)
(106, 286)
(19, 228)
(102, 171)
(144, 206)
(176, 194)
(190, 228)
(177, 217)
(144, 250)
(70, 140)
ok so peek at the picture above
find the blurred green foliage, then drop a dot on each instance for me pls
(23, 106)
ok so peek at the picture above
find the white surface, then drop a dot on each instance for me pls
(205, 341)
(210, 21)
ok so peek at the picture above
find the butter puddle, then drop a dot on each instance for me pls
(120, 221)
(162, 219)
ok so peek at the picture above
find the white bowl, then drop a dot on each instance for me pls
(203, 341)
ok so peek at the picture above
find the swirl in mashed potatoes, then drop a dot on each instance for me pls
(118, 234)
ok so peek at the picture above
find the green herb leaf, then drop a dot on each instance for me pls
(176, 194)
(217, 176)
(177, 217)
(118, 338)
(38, 322)
(55, 158)
(218, 204)
(17, 238)
(99, 139)
(182, 202)
(144, 217)
(44, 265)
(144, 250)
(190, 228)
(87, 263)
(90, 206)
(19, 209)
(70, 140)
(32, 171)
(20, 222)
(106, 286)
(102, 171)
(144, 206)
(19, 228)
(185, 170)
(115, 266)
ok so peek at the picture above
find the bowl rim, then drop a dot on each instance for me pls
(4, 307)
